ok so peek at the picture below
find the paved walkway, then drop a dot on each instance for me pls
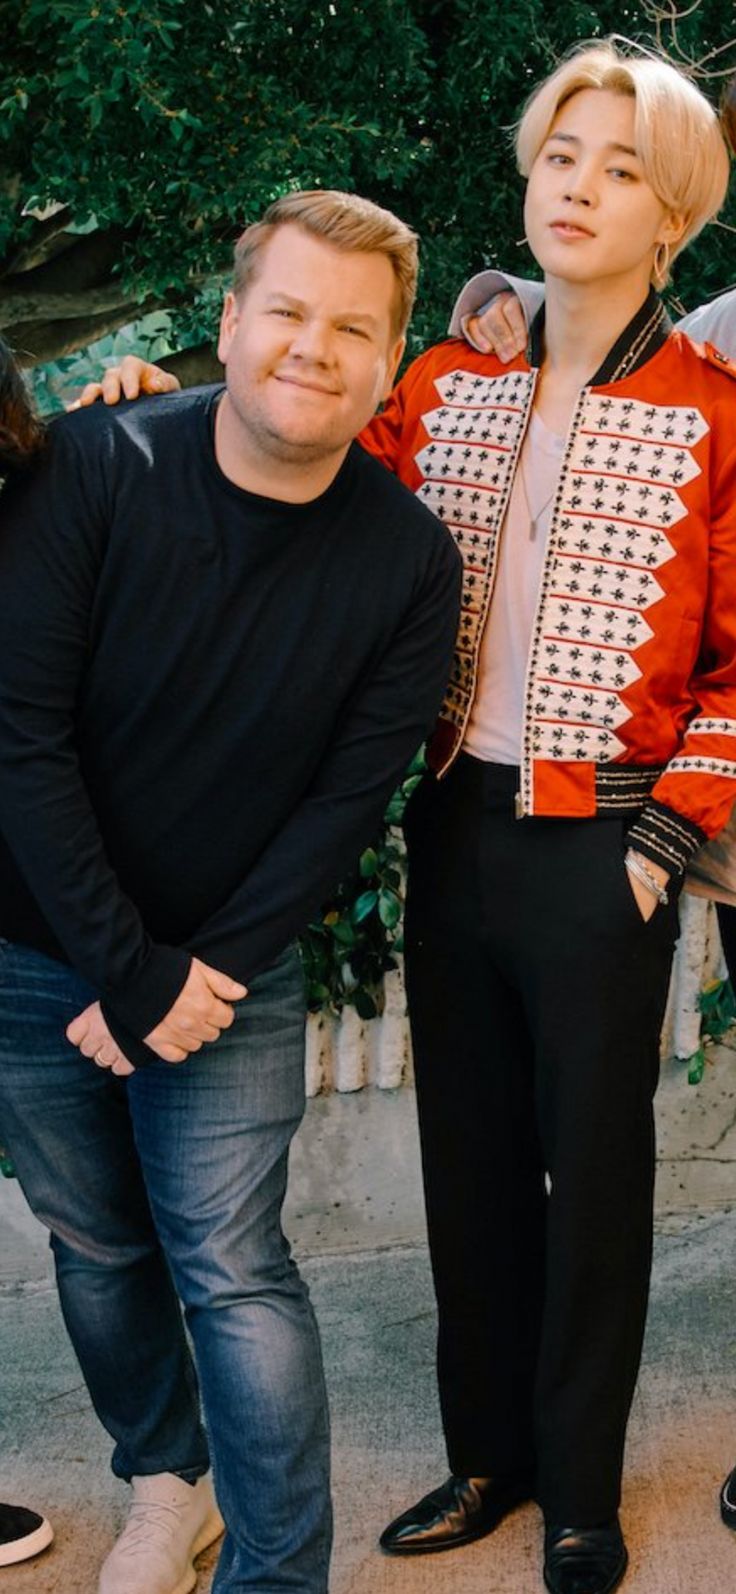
(355, 1216)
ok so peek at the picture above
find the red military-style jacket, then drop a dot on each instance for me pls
(631, 682)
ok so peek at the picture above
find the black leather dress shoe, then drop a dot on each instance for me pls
(584, 1560)
(728, 1500)
(462, 1509)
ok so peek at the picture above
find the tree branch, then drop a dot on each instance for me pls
(35, 343)
(17, 307)
(87, 263)
(36, 249)
(193, 366)
(665, 17)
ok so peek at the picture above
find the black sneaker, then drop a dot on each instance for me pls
(728, 1500)
(22, 1534)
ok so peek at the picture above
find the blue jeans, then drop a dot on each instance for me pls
(167, 1184)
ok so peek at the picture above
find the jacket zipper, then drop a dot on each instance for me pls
(529, 401)
(523, 799)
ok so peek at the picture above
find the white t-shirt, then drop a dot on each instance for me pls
(493, 732)
(714, 323)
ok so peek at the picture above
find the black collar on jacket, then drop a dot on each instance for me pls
(644, 335)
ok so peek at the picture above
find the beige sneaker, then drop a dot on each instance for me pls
(23, 1534)
(170, 1521)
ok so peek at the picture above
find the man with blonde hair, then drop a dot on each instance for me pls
(494, 312)
(584, 752)
(225, 631)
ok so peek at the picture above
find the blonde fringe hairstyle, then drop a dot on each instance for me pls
(678, 138)
(347, 222)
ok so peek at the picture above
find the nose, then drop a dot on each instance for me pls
(580, 189)
(312, 340)
(576, 196)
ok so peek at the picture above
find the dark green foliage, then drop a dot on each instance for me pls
(174, 123)
(347, 952)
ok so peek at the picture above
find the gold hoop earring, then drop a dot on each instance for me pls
(662, 263)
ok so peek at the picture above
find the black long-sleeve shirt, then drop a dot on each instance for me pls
(206, 696)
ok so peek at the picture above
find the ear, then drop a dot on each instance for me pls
(228, 326)
(392, 365)
(672, 228)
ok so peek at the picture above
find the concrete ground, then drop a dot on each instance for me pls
(356, 1220)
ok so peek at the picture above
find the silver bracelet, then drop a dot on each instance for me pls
(638, 868)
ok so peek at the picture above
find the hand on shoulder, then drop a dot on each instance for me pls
(132, 379)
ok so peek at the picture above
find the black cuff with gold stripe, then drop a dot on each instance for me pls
(665, 837)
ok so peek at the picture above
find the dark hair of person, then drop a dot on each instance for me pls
(21, 429)
(728, 112)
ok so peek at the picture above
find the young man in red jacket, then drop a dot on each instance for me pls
(586, 748)
(494, 311)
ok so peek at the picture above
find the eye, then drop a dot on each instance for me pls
(558, 158)
(621, 174)
(283, 310)
(355, 332)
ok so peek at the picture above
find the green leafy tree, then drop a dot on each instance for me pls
(138, 136)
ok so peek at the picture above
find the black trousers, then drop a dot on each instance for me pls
(536, 994)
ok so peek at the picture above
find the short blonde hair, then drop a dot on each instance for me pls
(728, 113)
(678, 138)
(347, 222)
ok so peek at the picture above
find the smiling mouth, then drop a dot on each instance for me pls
(309, 387)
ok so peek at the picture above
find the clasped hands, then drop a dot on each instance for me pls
(202, 1010)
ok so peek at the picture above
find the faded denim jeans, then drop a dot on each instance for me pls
(170, 1184)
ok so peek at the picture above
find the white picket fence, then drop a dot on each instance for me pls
(349, 1052)
(698, 960)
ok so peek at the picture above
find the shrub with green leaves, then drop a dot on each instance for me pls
(349, 949)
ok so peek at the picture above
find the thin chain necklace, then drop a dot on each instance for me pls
(536, 514)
